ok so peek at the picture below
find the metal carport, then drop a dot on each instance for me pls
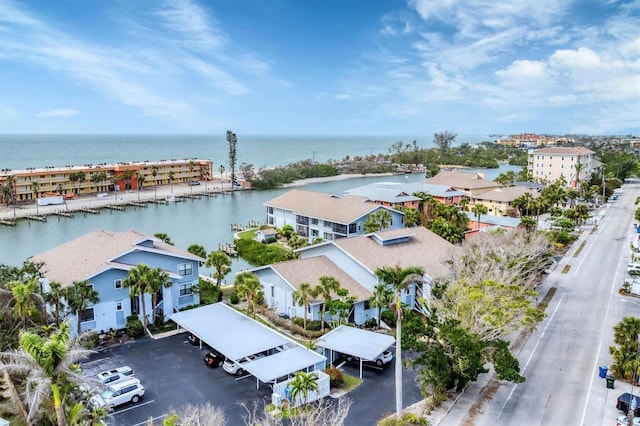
(236, 336)
(365, 344)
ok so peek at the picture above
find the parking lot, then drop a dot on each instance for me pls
(173, 374)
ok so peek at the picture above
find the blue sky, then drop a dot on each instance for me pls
(311, 67)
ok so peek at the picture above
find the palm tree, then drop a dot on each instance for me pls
(198, 250)
(191, 167)
(171, 176)
(221, 170)
(578, 166)
(327, 286)
(138, 283)
(157, 280)
(381, 298)
(478, 210)
(11, 181)
(247, 285)
(399, 279)
(47, 362)
(26, 302)
(95, 179)
(78, 297)
(140, 180)
(55, 297)
(302, 384)
(35, 187)
(163, 237)
(154, 173)
(73, 177)
(384, 218)
(126, 175)
(303, 297)
(222, 264)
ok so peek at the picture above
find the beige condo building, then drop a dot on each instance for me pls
(573, 164)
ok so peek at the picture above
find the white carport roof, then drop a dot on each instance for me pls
(233, 334)
(236, 335)
(364, 344)
(280, 364)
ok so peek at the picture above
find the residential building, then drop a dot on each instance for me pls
(318, 215)
(489, 222)
(469, 183)
(104, 177)
(353, 262)
(104, 260)
(571, 164)
(394, 194)
(498, 201)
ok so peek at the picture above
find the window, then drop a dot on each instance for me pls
(117, 284)
(185, 289)
(119, 305)
(273, 292)
(185, 269)
(87, 315)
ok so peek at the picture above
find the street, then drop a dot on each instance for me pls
(560, 358)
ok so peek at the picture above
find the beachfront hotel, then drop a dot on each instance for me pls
(103, 177)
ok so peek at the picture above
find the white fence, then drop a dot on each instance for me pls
(282, 390)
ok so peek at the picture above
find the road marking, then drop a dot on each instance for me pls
(151, 420)
(595, 361)
(533, 352)
(132, 407)
(242, 377)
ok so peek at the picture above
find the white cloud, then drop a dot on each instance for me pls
(583, 58)
(186, 19)
(57, 113)
(523, 72)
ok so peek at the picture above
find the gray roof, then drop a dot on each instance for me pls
(97, 251)
(398, 192)
(365, 344)
(464, 180)
(416, 246)
(511, 222)
(345, 210)
(296, 272)
(505, 194)
(238, 336)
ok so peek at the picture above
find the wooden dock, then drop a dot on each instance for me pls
(63, 213)
(8, 222)
(90, 210)
(251, 225)
(229, 249)
(118, 207)
(137, 204)
(37, 217)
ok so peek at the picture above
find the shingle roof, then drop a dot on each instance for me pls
(423, 248)
(91, 253)
(461, 180)
(319, 205)
(511, 222)
(309, 270)
(570, 150)
(506, 194)
(398, 192)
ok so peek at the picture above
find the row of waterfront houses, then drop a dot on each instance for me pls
(103, 177)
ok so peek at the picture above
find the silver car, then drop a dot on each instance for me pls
(119, 393)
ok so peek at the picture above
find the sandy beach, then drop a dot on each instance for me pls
(146, 194)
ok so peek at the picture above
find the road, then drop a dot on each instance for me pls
(561, 358)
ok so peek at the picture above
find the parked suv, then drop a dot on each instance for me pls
(119, 393)
(232, 367)
(383, 359)
(115, 375)
(213, 359)
(624, 402)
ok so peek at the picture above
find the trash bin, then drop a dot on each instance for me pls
(610, 380)
(603, 371)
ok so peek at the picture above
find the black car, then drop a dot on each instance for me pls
(193, 339)
(213, 359)
(624, 402)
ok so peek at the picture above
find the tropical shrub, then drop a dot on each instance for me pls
(233, 298)
(336, 378)
(135, 328)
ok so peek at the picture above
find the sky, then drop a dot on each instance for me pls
(320, 67)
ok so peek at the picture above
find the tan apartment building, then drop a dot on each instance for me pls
(90, 178)
(573, 164)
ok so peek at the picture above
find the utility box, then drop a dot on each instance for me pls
(276, 399)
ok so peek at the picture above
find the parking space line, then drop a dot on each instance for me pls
(151, 420)
(132, 407)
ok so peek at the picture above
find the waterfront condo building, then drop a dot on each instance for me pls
(35, 182)
(571, 164)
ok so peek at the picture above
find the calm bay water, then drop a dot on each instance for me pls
(205, 221)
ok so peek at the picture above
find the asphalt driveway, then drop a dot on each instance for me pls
(173, 374)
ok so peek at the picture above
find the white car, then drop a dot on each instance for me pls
(115, 375)
(624, 421)
(119, 393)
(381, 360)
(232, 367)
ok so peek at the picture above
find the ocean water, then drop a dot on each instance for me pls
(22, 151)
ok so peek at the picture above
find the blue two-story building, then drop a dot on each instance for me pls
(104, 259)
